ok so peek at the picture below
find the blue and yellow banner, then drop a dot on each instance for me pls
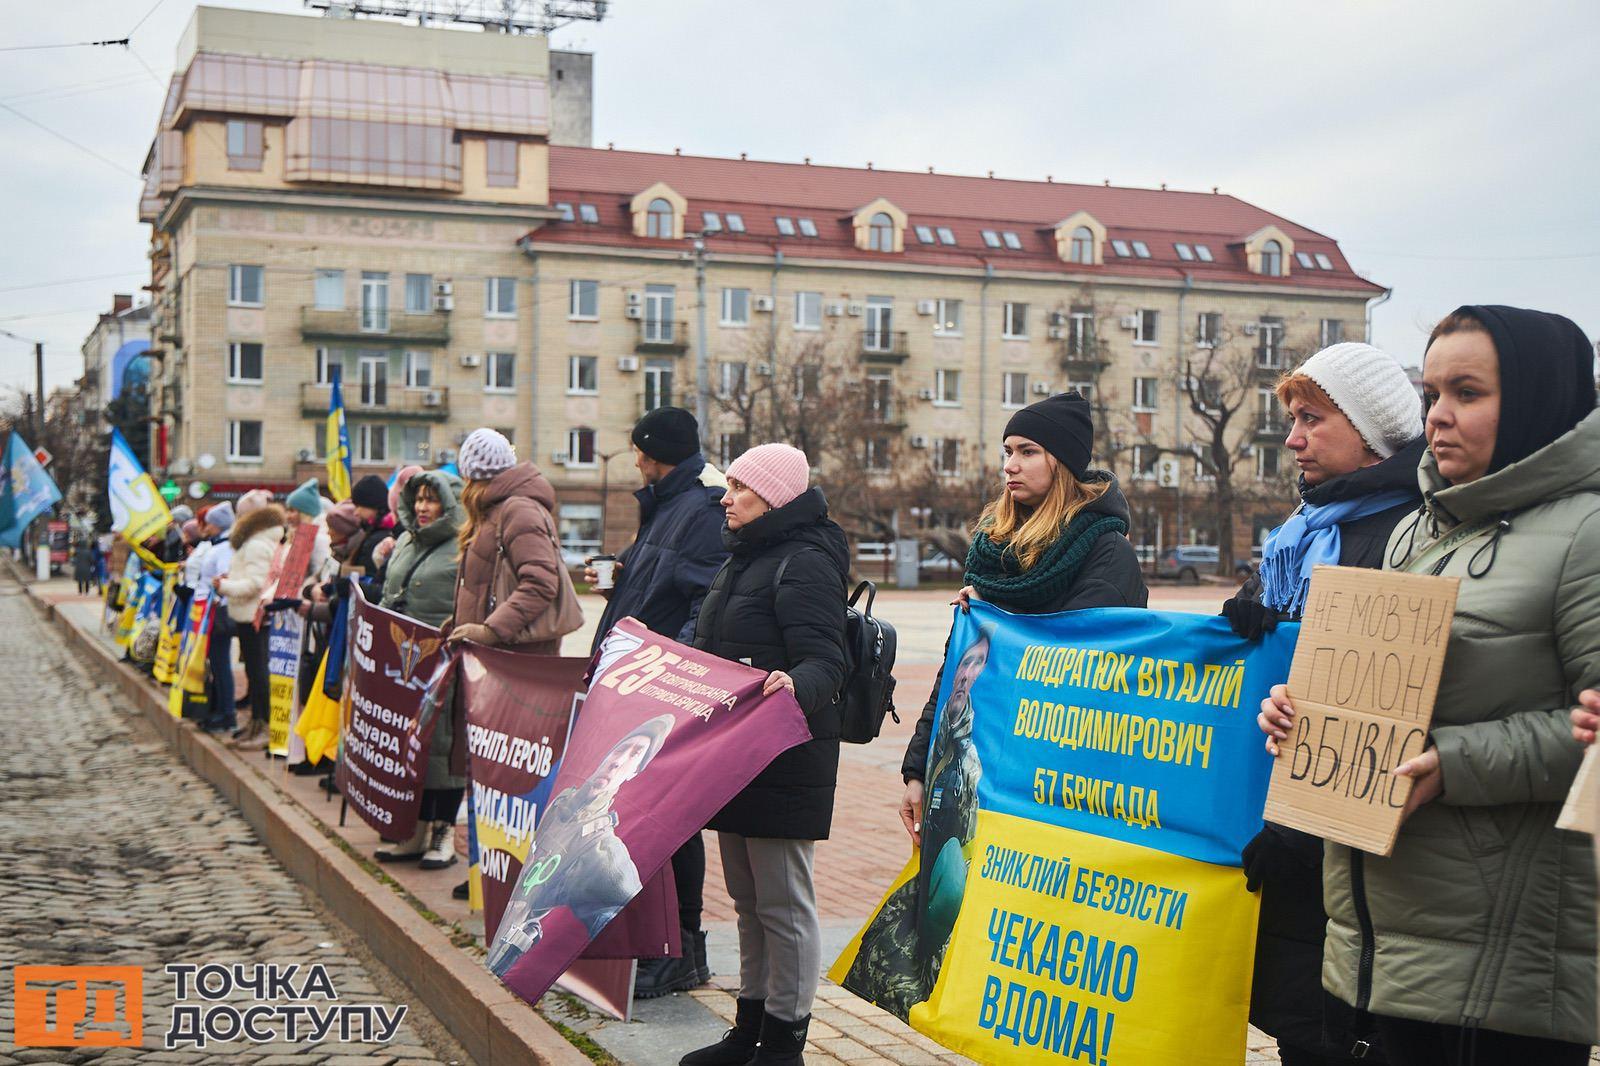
(137, 510)
(336, 440)
(32, 491)
(1091, 780)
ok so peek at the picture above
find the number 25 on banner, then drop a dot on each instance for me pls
(645, 666)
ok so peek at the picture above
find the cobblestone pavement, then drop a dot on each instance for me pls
(117, 854)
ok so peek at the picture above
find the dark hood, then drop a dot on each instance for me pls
(1546, 378)
(804, 518)
(1396, 473)
(1111, 502)
(524, 479)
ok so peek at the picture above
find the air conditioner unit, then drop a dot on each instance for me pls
(444, 303)
(763, 370)
(1167, 471)
(762, 303)
(443, 288)
(1041, 388)
(919, 441)
(433, 398)
(304, 455)
(635, 311)
(1130, 321)
(628, 363)
(925, 394)
(834, 310)
(446, 455)
(470, 360)
(925, 307)
(1057, 333)
(635, 299)
(558, 458)
(855, 309)
(1252, 328)
(1058, 318)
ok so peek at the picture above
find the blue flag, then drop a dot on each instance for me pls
(32, 491)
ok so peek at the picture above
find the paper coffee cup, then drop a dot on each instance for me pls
(605, 568)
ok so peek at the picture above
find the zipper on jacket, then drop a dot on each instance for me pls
(1358, 896)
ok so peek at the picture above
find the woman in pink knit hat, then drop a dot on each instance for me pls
(778, 605)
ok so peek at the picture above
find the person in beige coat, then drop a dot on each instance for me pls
(257, 532)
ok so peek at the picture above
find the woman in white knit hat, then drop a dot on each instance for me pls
(1356, 434)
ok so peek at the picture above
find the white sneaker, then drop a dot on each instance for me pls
(407, 850)
(441, 847)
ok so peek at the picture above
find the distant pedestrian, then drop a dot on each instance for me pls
(83, 567)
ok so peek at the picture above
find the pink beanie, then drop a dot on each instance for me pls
(342, 519)
(405, 474)
(777, 472)
(253, 500)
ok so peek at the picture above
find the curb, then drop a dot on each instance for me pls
(495, 1027)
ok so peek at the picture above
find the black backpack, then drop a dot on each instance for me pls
(867, 695)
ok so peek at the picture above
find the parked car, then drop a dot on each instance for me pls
(1187, 562)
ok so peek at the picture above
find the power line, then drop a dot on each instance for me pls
(107, 160)
(74, 44)
(70, 281)
(141, 21)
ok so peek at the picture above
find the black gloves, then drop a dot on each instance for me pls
(1249, 618)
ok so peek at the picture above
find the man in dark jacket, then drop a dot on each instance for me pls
(1357, 439)
(661, 580)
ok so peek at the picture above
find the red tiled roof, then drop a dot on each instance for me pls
(762, 191)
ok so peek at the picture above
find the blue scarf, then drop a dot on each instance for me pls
(1308, 539)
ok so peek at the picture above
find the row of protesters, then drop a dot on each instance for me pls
(1474, 940)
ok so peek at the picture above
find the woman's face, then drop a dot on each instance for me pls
(741, 505)
(1325, 443)
(1461, 387)
(972, 663)
(1028, 470)
(426, 507)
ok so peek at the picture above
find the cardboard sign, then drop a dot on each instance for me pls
(1364, 678)
(1581, 812)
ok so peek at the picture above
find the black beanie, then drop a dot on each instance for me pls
(371, 492)
(1062, 425)
(668, 435)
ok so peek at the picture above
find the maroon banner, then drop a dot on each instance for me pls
(289, 566)
(666, 736)
(384, 756)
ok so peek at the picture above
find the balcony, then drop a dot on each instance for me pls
(385, 401)
(428, 328)
(662, 335)
(1088, 356)
(883, 346)
(1273, 425)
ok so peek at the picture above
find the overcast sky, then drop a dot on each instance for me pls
(1451, 148)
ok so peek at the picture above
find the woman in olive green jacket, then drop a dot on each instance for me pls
(1474, 941)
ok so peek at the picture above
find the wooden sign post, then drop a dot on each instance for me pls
(1364, 678)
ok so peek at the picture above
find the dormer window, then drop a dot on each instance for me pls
(659, 213)
(1304, 260)
(878, 226)
(566, 211)
(1272, 259)
(1324, 262)
(1184, 252)
(1082, 245)
(1141, 249)
(589, 213)
(785, 226)
(1012, 241)
(1121, 248)
(880, 233)
(808, 228)
(991, 239)
(946, 235)
(711, 221)
(735, 222)
(1203, 252)
(658, 219)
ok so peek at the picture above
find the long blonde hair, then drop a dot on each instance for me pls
(1029, 531)
(472, 504)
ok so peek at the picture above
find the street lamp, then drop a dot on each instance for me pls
(605, 495)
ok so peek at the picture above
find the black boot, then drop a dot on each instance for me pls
(657, 977)
(782, 1043)
(737, 1044)
(702, 968)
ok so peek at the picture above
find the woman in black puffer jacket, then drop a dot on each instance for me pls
(778, 605)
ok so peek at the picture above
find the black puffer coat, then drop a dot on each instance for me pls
(1287, 1000)
(796, 627)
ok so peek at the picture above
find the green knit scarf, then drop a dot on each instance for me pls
(997, 574)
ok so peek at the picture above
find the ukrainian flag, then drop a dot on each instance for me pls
(137, 510)
(337, 441)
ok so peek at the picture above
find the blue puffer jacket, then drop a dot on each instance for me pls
(665, 573)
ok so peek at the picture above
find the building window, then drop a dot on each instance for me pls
(925, 234)
(580, 527)
(1272, 259)
(879, 336)
(1012, 240)
(947, 388)
(418, 370)
(1304, 260)
(580, 447)
(710, 222)
(658, 220)
(1331, 332)
(808, 228)
(880, 233)
(1121, 248)
(1203, 253)
(659, 301)
(729, 447)
(244, 144)
(1269, 460)
(731, 379)
(880, 397)
(329, 290)
(785, 226)
(947, 318)
(1014, 321)
(1080, 334)
(327, 362)
(419, 294)
(875, 454)
(502, 163)
(566, 211)
(735, 307)
(583, 300)
(1146, 325)
(1269, 351)
(1144, 394)
(372, 370)
(991, 239)
(1184, 252)
(947, 457)
(735, 222)
(1324, 262)
(1082, 250)
(808, 310)
(946, 235)
(657, 384)
(1207, 329)
(588, 213)
(500, 371)
(374, 302)
(1202, 471)
(583, 375)
(372, 443)
(1146, 462)
(1014, 389)
(244, 441)
(244, 363)
(1082, 388)
(807, 380)
(1141, 249)
(414, 445)
(500, 297)
(244, 286)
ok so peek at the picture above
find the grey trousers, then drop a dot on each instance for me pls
(780, 939)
